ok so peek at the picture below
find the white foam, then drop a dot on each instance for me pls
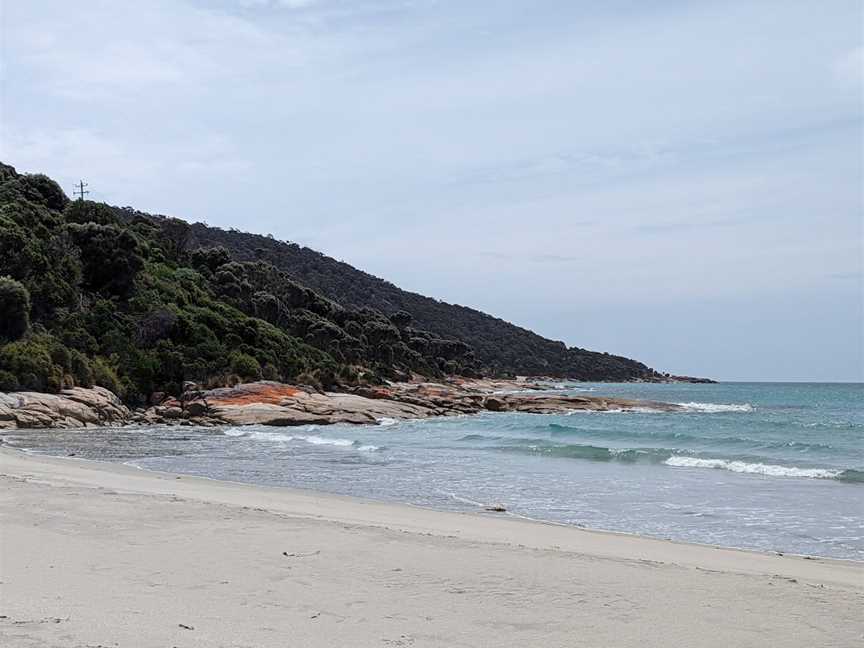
(269, 436)
(717, 407)
(752, 468)
(387, 421)
(368, 448)
(617, 410)
(317, 440)
(256, 435)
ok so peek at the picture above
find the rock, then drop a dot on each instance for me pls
(75, 407)
(272, 403)
(196, 408)
(169, 412)
(494, 404)
(497, 508)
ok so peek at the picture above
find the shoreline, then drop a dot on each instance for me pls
(481, 512)
(136, 557)
(119, 470)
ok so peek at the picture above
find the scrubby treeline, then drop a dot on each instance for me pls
(501, 347)
(93, 294)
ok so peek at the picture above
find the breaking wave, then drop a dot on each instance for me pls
(675, 458)
(256, 435)
(713, 408)
(769, 470)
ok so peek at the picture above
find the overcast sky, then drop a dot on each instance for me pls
(680, 182)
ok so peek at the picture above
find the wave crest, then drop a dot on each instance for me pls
(257, 435)
(770, 470)
(713, 408)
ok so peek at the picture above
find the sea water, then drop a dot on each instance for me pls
(767, 466)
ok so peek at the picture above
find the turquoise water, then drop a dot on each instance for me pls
(762, 466)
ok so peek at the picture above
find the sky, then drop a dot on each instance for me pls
(675, 181)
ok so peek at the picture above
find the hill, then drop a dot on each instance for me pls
(141, 303)
(500, 347)
(94, 294)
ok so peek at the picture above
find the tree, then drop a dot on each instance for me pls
(110, 257)
(175, 238)
(42, 189)
(210, 258)
(15, 307)
(87, 211)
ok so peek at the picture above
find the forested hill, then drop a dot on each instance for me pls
(94, 294)
(501, 347)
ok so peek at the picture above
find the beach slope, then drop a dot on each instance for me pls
(95, 554)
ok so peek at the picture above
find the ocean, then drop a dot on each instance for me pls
(765, 466)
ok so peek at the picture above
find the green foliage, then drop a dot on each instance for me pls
(110, 257)
(8, 381)
(139, 303)
(210, 258)
(87, 211)
(15, 309)
(105, 376)
(31, 362)
(245, 366)
(491, 346)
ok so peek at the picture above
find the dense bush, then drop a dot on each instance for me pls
(110, 298)
(14, 309)
(498, 347)
(110, 257)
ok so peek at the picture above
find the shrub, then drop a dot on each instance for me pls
(30, 361)
(105, 376)
(42, 189)
(8, 381)
(245, 366)
(80, 367)
(15, 307)
(87, 211)
(110, 257)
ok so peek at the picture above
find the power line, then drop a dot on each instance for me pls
(80, 190)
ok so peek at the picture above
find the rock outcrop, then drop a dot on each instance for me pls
(272, 403)
(71, 408)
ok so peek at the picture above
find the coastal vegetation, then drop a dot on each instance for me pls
(501, 348)
(92, 294)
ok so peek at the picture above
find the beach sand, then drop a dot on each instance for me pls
(98, 555)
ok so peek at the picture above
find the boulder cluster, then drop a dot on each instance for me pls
(279, 404)
(71, 408)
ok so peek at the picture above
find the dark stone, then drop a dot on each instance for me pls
(494, 404)
(196, 408)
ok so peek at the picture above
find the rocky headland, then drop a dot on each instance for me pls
(279, 404)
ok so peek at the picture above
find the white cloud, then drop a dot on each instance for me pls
(405, 135)
(849, 68)
(132, 48)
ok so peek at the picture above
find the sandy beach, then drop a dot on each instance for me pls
(95, 554)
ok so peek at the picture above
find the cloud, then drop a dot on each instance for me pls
(72, 55)
(297, 4)
(406, 135)
(849, 68)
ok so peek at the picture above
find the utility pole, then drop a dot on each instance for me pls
(80, 190)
